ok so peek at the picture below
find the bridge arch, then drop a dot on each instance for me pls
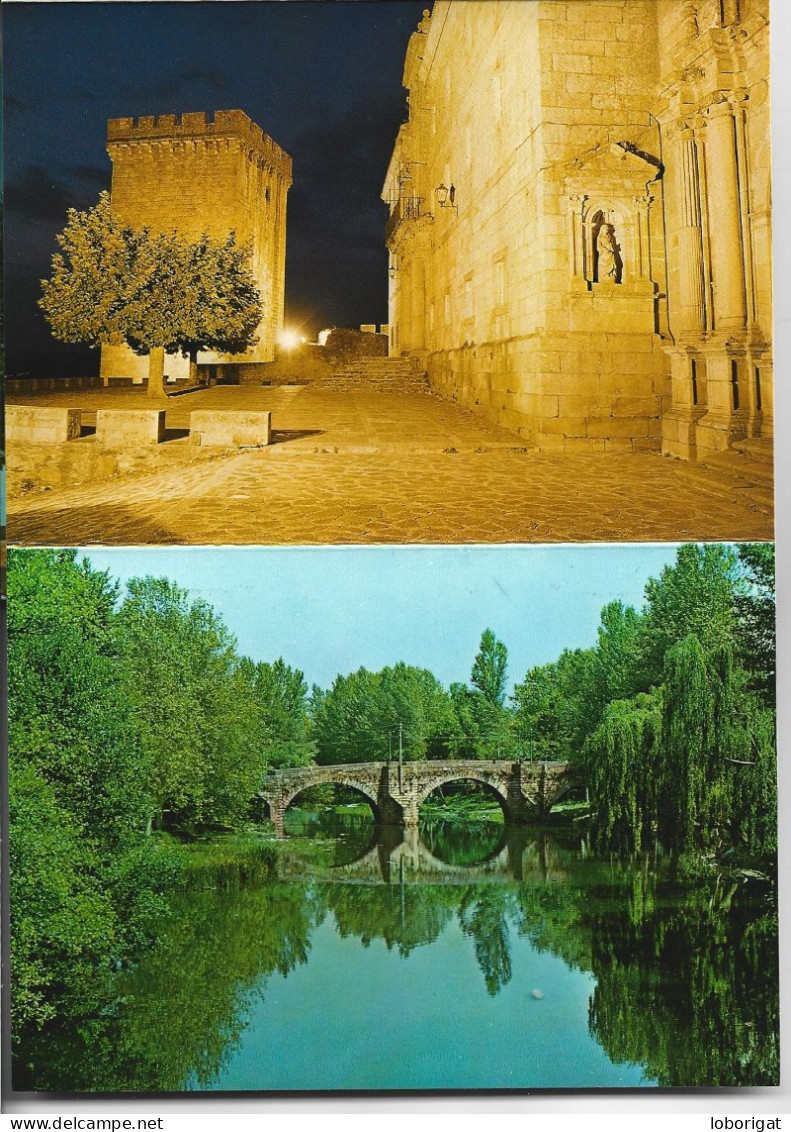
(466, 774)
(364, 792)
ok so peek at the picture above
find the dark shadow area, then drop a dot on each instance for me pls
(187, 389)
(175, 434)
(279, 382)
(87, 430)
(283, 435)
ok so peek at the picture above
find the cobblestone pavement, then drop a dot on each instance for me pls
(364, 467)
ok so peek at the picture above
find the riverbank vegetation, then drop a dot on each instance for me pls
(137, 729)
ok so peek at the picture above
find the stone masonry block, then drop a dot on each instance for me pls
(549, 443)
(129, 428)
(619, 446)
(230, 429)
(31, 425)
(577, 405)
(635, 406)
(636, 385)
(586, 360)
(583, 445)
(572, 117)
(572, 64)
(564, 426)
(572, 101)
(646, 444)
(584, 46)
(595, 30)
(613, 426)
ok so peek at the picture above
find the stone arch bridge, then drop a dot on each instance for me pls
(395, 793)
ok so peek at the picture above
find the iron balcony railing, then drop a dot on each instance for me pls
(405, 208)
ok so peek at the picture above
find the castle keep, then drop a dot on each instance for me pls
(196, 175)
(579, 228)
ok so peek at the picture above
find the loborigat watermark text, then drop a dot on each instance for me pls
(745, 1123)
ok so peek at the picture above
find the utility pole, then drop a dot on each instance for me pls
(400, 755)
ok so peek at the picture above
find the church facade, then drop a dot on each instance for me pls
(580, 219)
(194, 174)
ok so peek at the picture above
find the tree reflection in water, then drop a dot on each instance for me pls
(685, 974)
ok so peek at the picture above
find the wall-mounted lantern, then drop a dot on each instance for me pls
(446, 197)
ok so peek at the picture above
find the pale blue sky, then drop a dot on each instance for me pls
(331, 610)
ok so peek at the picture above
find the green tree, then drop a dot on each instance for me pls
(280, 697)
(68, 710)
(617, 651)
(621, 758)
(484, 725)
(581, 700)
(197, 295)
(95, 277)
(754, 604)
(536, 716)
(693, 596)
(191, 706)
(365, 715)
(63, 926)
(112, 283)
(79, 793)
(490, 669)
(347, 724)
(414, 699)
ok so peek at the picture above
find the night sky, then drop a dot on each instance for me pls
(322, 78)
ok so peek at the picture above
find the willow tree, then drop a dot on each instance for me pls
(621, 758)
(697, 736)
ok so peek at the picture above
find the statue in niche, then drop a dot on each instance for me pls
(608, 259)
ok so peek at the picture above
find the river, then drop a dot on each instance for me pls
(465, 957)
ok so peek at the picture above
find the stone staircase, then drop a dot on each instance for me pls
(379, 375)
(747, 465)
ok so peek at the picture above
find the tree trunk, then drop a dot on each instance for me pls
(193, 380)
(156, 372)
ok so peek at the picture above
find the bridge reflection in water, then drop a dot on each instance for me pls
(403, 855)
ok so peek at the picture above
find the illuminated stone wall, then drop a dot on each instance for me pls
(542, 283)
(194, 174)
(713, 103)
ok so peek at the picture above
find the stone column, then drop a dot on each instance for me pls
(680, 420)
(576, 237)
(688, 393)
(692, 298)
(725, 220)
(641, 268)
(724, 421)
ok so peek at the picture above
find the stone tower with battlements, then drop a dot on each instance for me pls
(193, 175)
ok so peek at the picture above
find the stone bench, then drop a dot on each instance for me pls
(230, 429)
(32, 425)
(129, 428)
